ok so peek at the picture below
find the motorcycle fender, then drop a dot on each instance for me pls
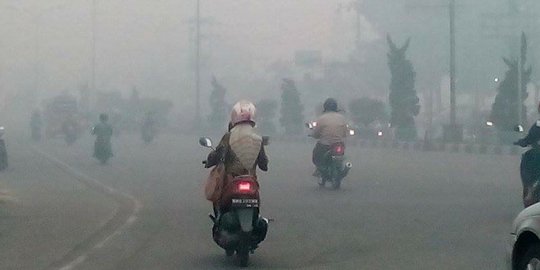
(245, 217)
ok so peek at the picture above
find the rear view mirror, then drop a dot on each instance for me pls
(265, 140)
(518, 128)
(205, 141)
(311, 125)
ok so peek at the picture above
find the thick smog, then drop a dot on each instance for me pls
(306, 134)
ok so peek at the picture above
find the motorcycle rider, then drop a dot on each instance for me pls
(331, 128)
(103, 132)
(241, 151)
(530, 164)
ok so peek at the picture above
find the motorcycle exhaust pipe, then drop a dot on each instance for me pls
(346, 169)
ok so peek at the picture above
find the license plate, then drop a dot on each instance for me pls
(245, 203)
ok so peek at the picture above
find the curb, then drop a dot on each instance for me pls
(421, 146)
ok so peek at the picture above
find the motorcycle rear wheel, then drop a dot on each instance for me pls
(336, 184)
(243, 256)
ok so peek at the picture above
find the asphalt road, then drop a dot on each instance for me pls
(396, 210)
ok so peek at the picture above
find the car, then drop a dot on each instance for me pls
(524, 249)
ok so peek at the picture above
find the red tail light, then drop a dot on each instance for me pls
(244, 186)
(339, 149)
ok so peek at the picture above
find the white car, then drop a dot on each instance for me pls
(524, 251)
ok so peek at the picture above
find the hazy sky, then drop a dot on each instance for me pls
(149, 43)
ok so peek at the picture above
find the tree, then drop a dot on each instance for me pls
(504, 112)
(266, 113)
(403, 99)
(218, 106)
(366, 110)
(291, 108)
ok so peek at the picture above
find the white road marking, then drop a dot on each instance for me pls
(74, 263)
(87, 179)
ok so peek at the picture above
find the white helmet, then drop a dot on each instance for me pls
(2, 131)
(243, 111)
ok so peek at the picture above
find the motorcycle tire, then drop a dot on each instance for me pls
(243, 256)
(3, 156)
(336, 184)
(530, 259)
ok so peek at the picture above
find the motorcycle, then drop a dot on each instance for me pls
(3, 151)
(237, 225)
(335, 167)
(102, 149)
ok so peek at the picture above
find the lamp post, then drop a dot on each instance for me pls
(453, 131)
(93, 58)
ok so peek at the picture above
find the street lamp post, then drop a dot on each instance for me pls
(93, 56)
(452, 15)
(453, 131)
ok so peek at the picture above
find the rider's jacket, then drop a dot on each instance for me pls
(103, 131)
(241, 150)
(331, 128)
(533, 137)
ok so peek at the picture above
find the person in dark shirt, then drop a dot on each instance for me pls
(530, 164)
(103, 132)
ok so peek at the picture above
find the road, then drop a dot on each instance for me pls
(396, 210)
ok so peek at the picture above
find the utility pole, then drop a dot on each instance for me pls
(93, 57)
(198, 67)
(454, 131)
(520, 82)
(36, 55)
(452, 15)
(511, 26)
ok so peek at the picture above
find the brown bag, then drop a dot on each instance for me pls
(214, 183)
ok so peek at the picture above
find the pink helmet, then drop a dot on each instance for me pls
(243, 111)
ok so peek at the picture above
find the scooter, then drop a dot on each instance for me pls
(3, 151)
(335, 168)
(238, 227)
(102, 149)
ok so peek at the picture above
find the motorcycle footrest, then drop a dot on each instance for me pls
(213, 218)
